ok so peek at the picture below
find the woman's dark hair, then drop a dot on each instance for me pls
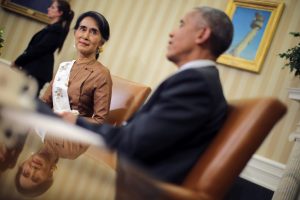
(65, 20)
(102, 23)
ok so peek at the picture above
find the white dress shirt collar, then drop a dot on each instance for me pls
(196, 64)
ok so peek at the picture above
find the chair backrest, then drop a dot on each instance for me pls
(247, 124)
(127, 97)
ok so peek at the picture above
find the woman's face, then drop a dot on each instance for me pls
(35, 170)
(53, 11)
(88, 37)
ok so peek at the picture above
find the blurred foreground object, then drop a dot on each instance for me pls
(18, 92)
(18, 111)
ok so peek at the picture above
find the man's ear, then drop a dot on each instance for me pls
(203, 35)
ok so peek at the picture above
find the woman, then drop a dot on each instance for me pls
(38, 58)
(84, 85)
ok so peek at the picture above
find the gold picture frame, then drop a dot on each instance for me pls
(35, 9)
(255, 23)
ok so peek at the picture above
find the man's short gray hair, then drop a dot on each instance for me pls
(221, 27)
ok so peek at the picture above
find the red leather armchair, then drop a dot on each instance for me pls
(127, 97)
(248, 123)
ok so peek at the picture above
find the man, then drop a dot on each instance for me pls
(168, 134)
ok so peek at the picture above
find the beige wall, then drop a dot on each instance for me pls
(139, 35)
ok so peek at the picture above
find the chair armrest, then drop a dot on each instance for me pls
(103, 155)
(176, 192)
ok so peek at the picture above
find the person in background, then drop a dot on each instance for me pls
(169, 133)
(38, 58)
(84, 85)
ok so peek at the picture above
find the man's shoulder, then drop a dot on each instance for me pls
(206, 69)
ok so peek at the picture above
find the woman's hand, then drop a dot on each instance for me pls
(69, 117)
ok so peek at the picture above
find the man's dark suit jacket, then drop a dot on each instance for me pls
(168, 134)
(38, 58)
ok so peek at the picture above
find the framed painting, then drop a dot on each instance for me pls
(36, 9)
(254, 24)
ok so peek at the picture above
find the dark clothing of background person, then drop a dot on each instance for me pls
(38, 58)
(185, 112)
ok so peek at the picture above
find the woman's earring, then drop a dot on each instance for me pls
(100, 50)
